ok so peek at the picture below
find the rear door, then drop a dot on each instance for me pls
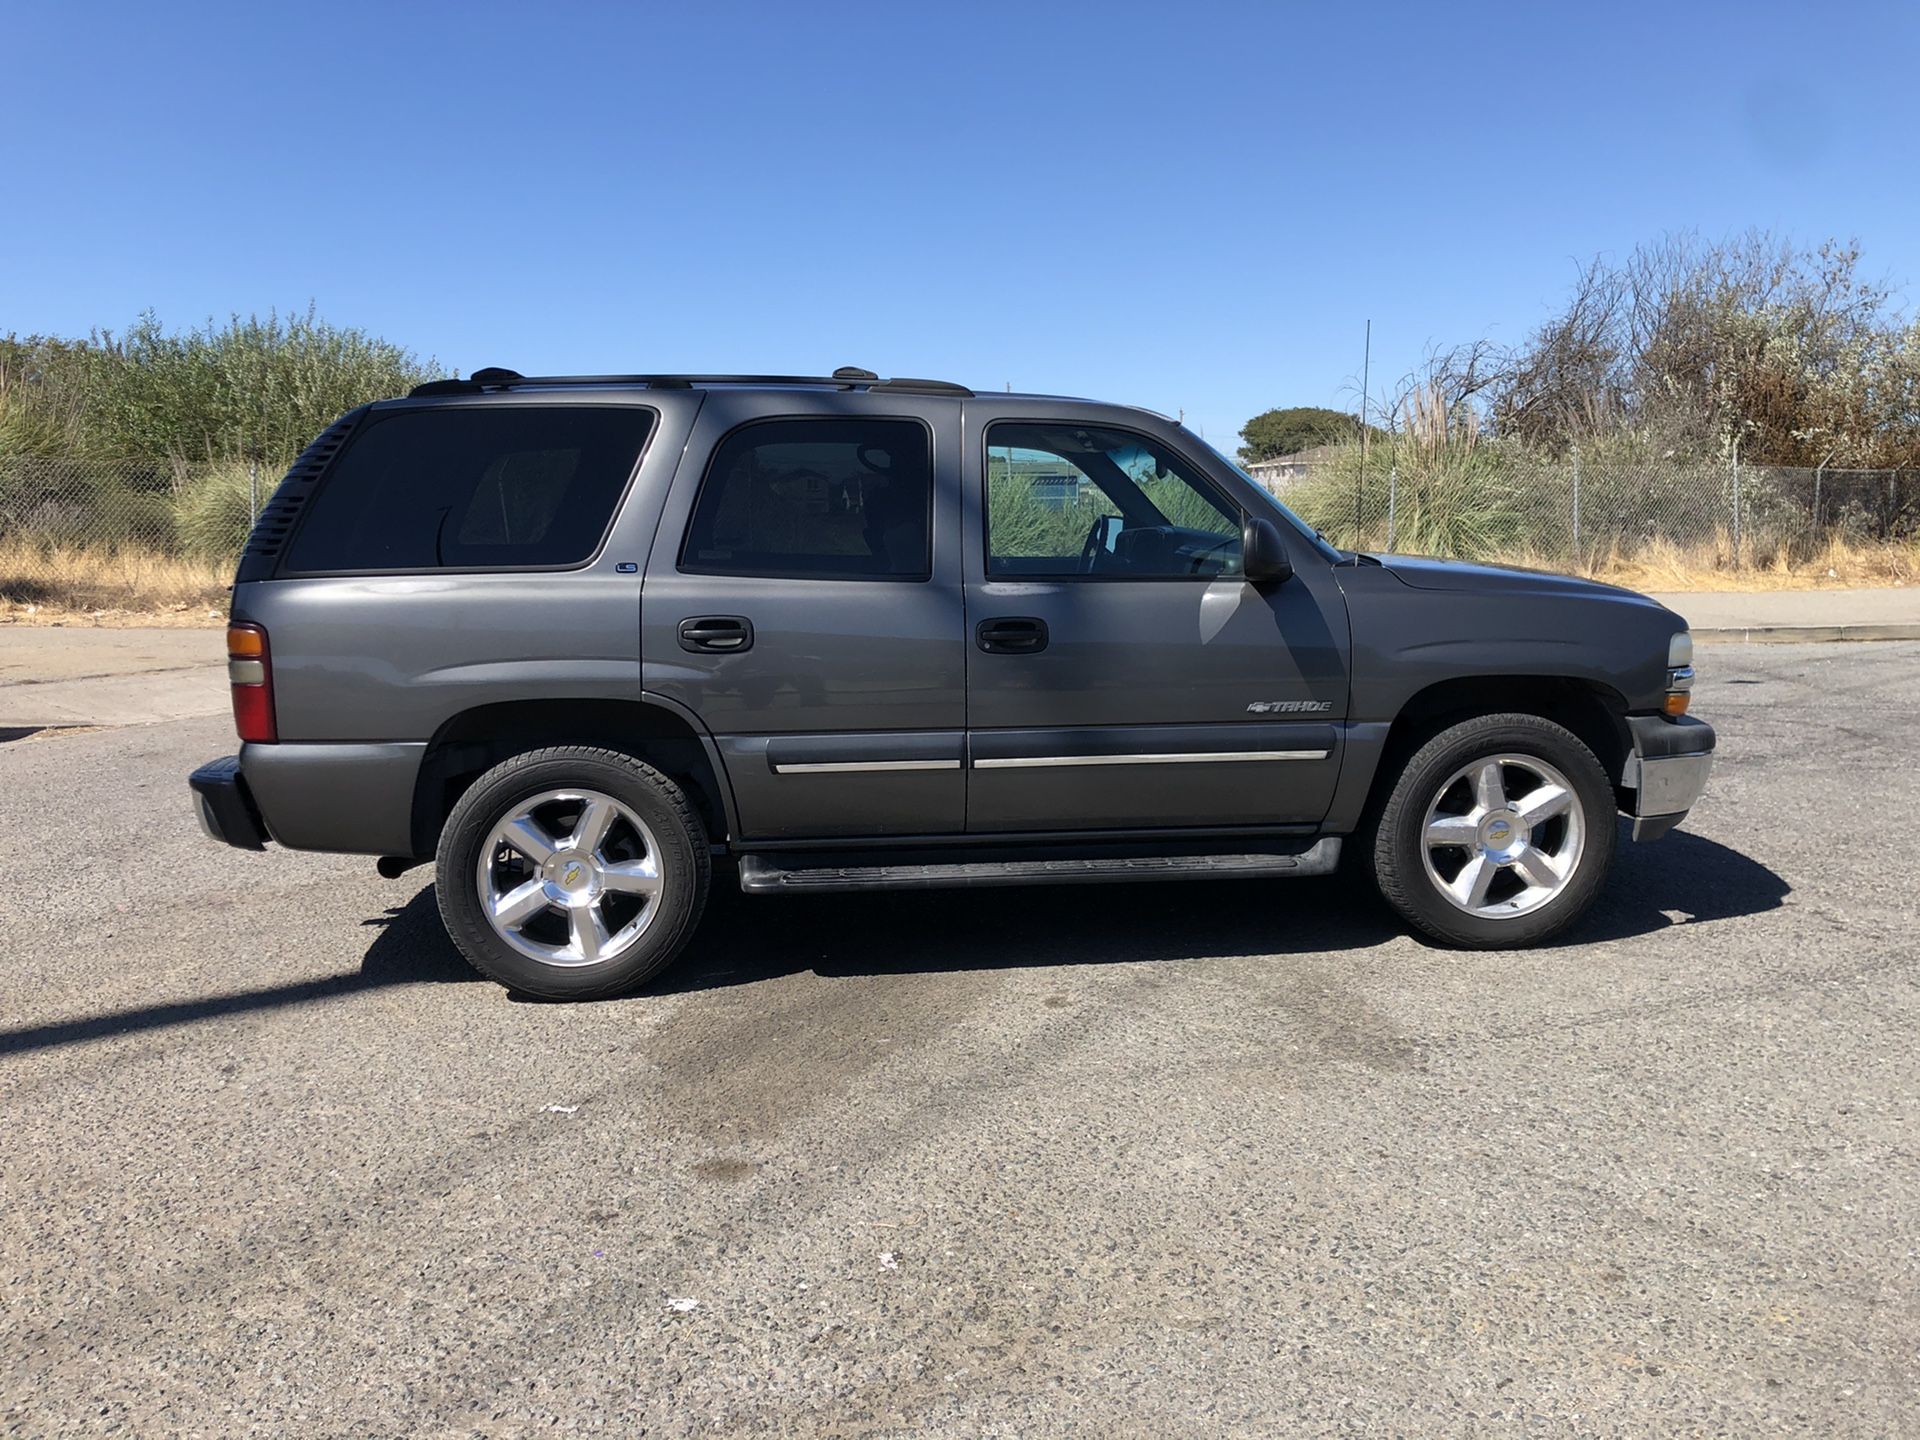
(1122, 673)
(803, 599)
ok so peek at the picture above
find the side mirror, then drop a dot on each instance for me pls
(1263, 552)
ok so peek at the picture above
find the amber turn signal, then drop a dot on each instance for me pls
(1677, 702)
(246, 642)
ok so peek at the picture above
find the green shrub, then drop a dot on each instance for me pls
(1025, 524)
(251, 388)
(1453, 500)
(215, 508)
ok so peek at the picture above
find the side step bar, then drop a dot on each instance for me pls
(771, 875)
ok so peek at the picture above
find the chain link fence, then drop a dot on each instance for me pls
(138, 534)
(163, 506)
(143, 534)
(1482, 503)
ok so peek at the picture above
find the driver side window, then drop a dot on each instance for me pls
(1069, 500)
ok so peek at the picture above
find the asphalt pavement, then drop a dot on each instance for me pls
(1227, 1158)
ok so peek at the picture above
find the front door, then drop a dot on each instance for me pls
(803, 600)
(1121, 672)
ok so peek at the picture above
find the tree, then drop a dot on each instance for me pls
(1283, 432)
(1692, 347)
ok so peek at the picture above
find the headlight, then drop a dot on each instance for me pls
(1679, 674)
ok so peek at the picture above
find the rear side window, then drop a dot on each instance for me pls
(845, 499)
(472, 488)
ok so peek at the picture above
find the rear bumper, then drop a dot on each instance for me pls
(225, 805)
(1667, 770)
(355, 799)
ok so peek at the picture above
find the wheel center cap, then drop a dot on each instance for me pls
(571, 875)
(1501, 833)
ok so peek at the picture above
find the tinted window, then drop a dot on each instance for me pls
(472, 486)
(1074, 500)
(844, 499)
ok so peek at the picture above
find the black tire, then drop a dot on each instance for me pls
(1399, 861)
(682, 858)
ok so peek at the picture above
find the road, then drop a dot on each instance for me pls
(1228, 1158)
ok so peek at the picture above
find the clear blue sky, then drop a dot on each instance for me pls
(1187, 206)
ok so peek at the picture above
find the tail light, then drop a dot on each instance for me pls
(250, 673)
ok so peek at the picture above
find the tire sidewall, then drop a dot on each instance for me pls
(1403, 829)
(683, 859)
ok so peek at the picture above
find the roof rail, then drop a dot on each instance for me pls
(847, 377)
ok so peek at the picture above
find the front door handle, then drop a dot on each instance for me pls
(716, 634)
(1012, 635)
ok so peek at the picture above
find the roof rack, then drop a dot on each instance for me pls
(847, 377)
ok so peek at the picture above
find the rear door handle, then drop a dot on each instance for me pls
(716, 634)
(1012, 635)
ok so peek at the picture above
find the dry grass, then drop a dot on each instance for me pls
(1839, 565)
(129, 585)
(43, 584)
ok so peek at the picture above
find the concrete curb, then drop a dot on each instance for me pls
(1802, 634)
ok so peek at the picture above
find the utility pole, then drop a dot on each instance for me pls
(1360, 485)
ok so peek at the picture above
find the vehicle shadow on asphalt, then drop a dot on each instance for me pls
(1684, 875)
(743, 941)
(412, 948)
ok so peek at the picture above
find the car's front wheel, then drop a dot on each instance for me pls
(571, 873)
(1498, 833)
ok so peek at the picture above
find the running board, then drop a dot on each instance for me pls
(784, 875)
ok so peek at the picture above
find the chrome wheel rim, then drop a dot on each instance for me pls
(570, 877)
(1503, 836)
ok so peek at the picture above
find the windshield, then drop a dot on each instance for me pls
(1320, 542)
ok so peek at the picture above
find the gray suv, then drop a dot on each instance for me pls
(581, 641)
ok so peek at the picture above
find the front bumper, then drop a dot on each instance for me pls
(225, 805)
(1667, 770)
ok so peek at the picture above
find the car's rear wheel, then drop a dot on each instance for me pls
(1498, 833)
(571, 873)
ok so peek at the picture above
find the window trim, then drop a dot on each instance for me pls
(1076, 578)
(925, 577)
(283, 571)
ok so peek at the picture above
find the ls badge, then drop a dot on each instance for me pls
(1289, 707)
